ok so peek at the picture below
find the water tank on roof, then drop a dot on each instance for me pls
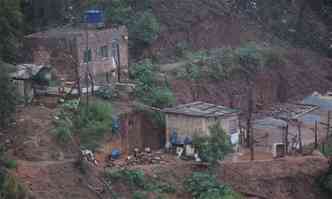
(94, 18)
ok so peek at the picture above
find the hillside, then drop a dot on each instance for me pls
(294, 28)
(204, 24)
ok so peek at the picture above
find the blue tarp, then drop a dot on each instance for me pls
(324, 104)
(310, 118)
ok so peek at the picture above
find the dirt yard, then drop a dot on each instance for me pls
(50, 170)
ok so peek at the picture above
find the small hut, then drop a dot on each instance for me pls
(194, 119)
(23, 78)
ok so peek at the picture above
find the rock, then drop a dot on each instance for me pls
(147, 150)
(157, 158)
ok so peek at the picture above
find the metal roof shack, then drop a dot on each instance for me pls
(27, 71)
(201, 109)
(183, 122)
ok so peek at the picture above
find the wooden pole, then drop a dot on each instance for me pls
(286, 138)
(250, 129)
(300, 137)
(328, 125)
(316, 136)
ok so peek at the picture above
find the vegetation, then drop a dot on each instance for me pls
(229, 63)
(9, 186)
(205, 186)
(142, 24)
(89, 123)
(148, 90)
(11, 23)
(106, 93)
(214, 147)
(138, 183)
(8, 97)
(325, 181)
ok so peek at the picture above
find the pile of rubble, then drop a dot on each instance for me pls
(145, 157)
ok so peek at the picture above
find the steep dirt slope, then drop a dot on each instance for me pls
(205, 24)
(46, 169)
(304, 73)
(289, 178)
(200, 25)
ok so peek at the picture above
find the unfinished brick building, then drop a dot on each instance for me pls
(71, 51)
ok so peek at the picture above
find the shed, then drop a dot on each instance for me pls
(23, 78)
(194, 119)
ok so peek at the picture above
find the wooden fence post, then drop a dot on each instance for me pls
(316, 136)
(300, 137)
(328, 125)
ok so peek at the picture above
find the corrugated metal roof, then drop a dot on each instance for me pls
(269, 122)
(201, 109)
(26, 71)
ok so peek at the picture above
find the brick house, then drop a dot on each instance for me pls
(71, 51)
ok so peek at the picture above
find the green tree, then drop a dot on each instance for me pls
(7, 95)
(203, 185)
(148, 90)
(214, 147)
(11, 21)
(145, 28)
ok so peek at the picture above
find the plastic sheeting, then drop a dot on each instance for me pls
(323, 103)
(310, 118)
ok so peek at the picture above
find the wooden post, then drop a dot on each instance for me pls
(286, 138)
(328, 125)
(249, 127)
(300, 137)
(316, 136)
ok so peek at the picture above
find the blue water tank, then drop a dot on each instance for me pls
(94, 16)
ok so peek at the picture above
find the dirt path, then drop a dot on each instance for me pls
(39, 164)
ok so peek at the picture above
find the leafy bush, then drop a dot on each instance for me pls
(10, 187)
(71, 105)
(8, 96)
(93, 122)
(143, 25)
(229, 63)
(214, 147)
(64, 125)
(105, 92)
(146, 27)
(205, 186)
(325, 181)
(147, 90)
(136, 180)
(90, 123)
(140, 195)
(10, 164)
(11, 23)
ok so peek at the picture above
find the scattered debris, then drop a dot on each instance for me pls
(87, 155)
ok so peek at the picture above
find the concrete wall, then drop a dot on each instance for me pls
(99, 65)
(65, 52)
